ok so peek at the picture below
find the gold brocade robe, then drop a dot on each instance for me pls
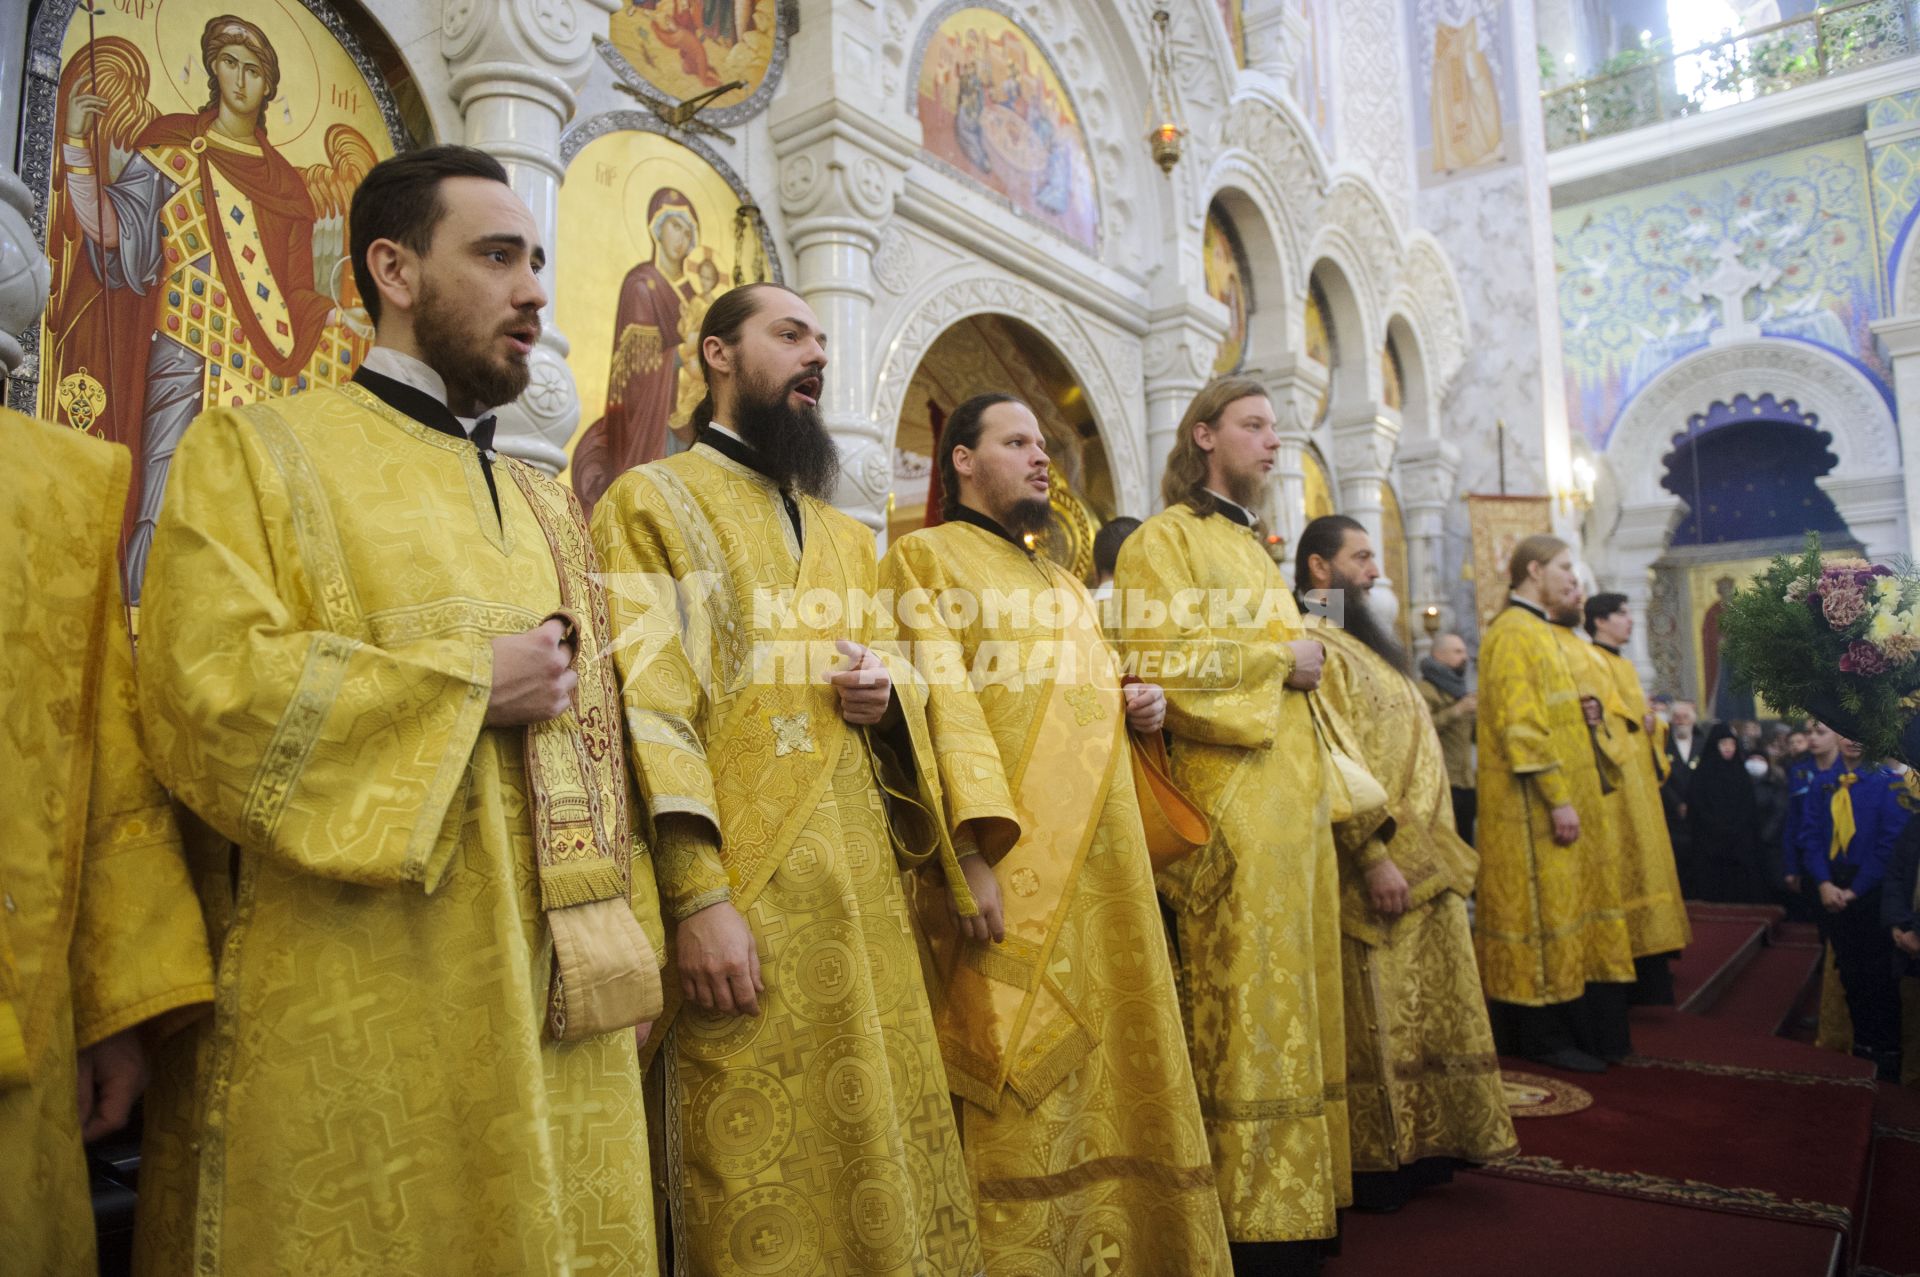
(1422, 1076)
(100, 931)
(1083, 1134)
(816, 1136)
(1547, 918)
(1649, 879)
(1258, 908)
(376, 1093)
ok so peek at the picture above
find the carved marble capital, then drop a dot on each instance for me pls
(1429, 469)
(1364, 443)
(540, 50)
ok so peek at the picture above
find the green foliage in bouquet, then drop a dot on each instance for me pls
(1835, 638)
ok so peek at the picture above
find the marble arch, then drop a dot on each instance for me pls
(1849, 405)
(969, 289)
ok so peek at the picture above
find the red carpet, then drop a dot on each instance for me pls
(1483, 1226)
(1722, 1138)
(1892, 1242)
(1661, 1033)
(1761, 1001)
(1720, 947)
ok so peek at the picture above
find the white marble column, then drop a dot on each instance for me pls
(1365, 438)
(1296, 386)
(1428, 470)
(1177, 359)
(1639, 539)
(24, 265)
(1901, 338)
(516, 68)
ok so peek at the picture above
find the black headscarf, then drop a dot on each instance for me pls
(1721, 797)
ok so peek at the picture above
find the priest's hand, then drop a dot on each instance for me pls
(1590, 706)
(987, 926)
(110, 1077)
(1387, 889)
(1832, 899)
(1908, 942)
(865, 687)
(719, 963)
(1146, 707)
(533, 676)
(1793, 883)
(1308, 656)
(1566, 825)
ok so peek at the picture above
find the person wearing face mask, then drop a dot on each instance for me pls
(1844, 833)
(1723, 820)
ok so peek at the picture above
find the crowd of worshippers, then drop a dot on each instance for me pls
(463, 896)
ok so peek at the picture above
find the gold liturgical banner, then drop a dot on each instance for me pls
(1499, 523)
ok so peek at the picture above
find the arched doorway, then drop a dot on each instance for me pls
(990, 352)
(1745, 472)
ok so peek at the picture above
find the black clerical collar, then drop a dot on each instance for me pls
(1516, 601)
(1232, 509)
(1607, 647)
(417, 404)
(740, 452)
(967, 514)
(737, 450)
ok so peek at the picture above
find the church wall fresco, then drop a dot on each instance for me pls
(1894, 167)
(1229, 283)
(1464, 91)
(1645, 276)
(651, 232)
(993, 111)
(197, 230)
(684, 48)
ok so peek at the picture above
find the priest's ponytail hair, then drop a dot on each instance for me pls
(962, 430)
(725, 318)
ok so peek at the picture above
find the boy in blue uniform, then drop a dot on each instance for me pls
(1842, 831)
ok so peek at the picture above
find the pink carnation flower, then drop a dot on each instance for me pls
(1862, 657)
(1843, 604)
(1900, 649)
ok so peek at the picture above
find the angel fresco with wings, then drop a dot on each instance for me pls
(193, 264)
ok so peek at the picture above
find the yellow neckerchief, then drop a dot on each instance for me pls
(1842, 806)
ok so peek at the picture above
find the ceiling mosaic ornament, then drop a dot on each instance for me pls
(680, 49)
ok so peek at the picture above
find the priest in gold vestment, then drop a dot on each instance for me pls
(785, 766)
(1657, 924)
(101, 945)
(370, 667)
(1423, 1083)
(1548, 929)
(1258, 908)
(1056, 1010)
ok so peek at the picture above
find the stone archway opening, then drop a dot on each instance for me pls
(994, 352)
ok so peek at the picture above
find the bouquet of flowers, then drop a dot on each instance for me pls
(1836, 638)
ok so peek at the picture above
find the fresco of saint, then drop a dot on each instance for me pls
(193, 264)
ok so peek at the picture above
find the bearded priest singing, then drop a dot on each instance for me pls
(370, 665)
(1423, 1083)
(786, 768)
(1258, 908)
(1056, 1007)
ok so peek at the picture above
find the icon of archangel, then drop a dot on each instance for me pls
(194, 263)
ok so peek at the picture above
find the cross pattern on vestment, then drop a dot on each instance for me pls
(340, 1006)
(378, 1175)
(852, 1089)
(792, 734)
(766, 1241)
(739, 1120)
(878, 1213)
(1141, 1047)
(1085, 703)
(1102, 1258)
(576, 1112)
(817, 1162)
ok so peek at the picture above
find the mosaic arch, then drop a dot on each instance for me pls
(221, 179)
(994, 112)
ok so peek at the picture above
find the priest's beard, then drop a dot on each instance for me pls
(1027, 515)
(452, 344)
(1243, 486)
(791, 444)
(1361, 622)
